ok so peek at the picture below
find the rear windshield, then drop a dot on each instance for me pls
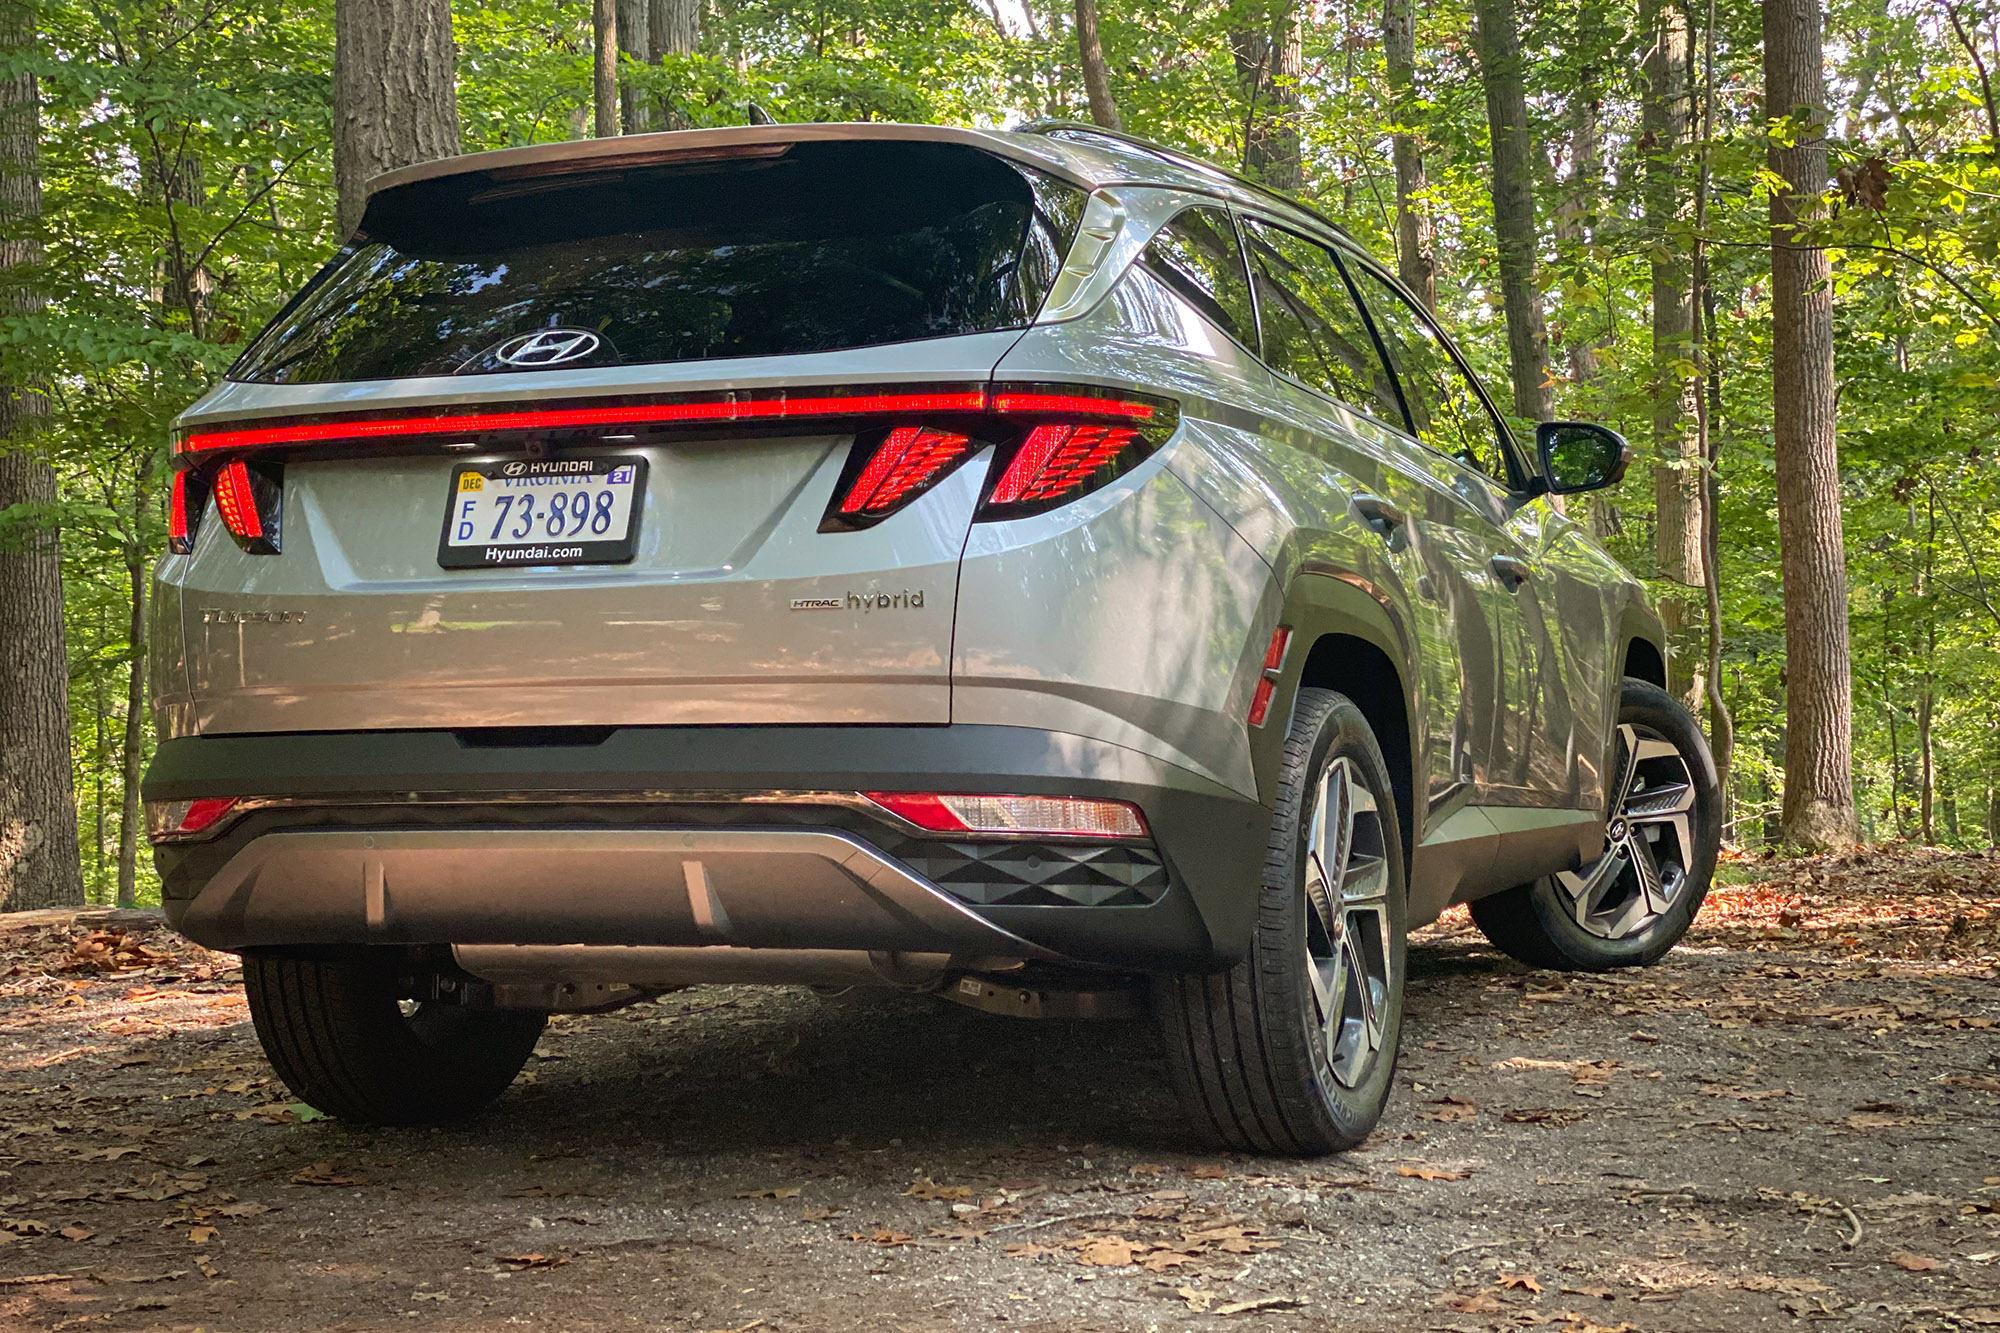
(809, 247)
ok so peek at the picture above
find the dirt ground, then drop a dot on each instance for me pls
(1795, 1117)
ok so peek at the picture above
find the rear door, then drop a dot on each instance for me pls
(1522, 747)
(753, 332)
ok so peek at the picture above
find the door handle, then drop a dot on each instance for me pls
(1510, 571)
(1381, 516)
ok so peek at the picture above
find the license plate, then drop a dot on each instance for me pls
(543, 511)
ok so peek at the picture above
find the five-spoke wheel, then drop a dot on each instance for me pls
(1662, 828)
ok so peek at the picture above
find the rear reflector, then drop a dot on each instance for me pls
(169, 821)
(1267, 683)
(1058, 815)
(1260, 702)
(906, 462)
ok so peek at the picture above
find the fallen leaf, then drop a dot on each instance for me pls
(1914, 1263)
(202, 1235)
(1209, 1171)
(819, 1214)
(323, 1173)
(1474, 1303)
(1519, 1282)
(882, 1236)
(926, 1188)
(243, 1209)
(1105, 1252)
(76, 1233)
(533, 1260)
(1027, 1249)
(776, 1192)
(1450, 1108)
(1423, 1171)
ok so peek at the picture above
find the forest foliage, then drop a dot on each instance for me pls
(188, 190)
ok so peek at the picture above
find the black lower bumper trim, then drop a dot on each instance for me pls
(1211, 838)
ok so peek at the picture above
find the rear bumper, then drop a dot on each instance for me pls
(446, 838)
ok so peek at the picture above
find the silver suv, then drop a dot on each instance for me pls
(1035, 568)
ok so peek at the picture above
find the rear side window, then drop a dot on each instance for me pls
(1313, 330)
(808, 247)
(1446, 410)
(1197, 256)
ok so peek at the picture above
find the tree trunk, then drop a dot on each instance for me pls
(1819, 704)
(1708, 407)
(39, 863)
(1270, 61)
(1500, 69)
(604, 67)
(1664, 120)
(1579, 206)
(395, 99)
(635, 39)
(676, 30)
(1096, 78)
(1416, 252)
(134, 755)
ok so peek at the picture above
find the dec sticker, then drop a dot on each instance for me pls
(471, 481)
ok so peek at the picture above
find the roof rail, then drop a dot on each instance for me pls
(1179, 157)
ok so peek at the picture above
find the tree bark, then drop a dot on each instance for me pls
(39, 863)
(395, 96)
(676, 30)
(1579, 206)
(604, 68)
(1270, 61)
(1500, 69)
(635, 39)
(1416, 250)
(134, 753)
(1819, 704)
(1096, 78)
(1665, 118)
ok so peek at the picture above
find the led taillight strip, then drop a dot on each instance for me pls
(641, 414)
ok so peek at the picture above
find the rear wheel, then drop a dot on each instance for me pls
(343, 1039)
(1293, 1049)
(1664, 827)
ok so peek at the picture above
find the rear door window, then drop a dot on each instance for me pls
(1313, 329)
(1447, 411)
(1197, 256)
(805, 247)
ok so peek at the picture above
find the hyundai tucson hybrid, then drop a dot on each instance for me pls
(1032, 567)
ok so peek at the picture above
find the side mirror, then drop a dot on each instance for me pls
(1581, 456)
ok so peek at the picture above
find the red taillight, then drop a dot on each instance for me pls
(238, 506)
(906, 462)
(1066, 816)
(579, 418)
(1070, 404)
(1059, 460)
(251, 499)
(1274, 655)
(183, 512)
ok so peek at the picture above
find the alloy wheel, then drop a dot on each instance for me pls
(1648, 841)
(1348, 957)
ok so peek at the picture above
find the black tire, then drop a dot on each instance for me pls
(336, 1032)
(1540, 923)
(1251, 1051)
